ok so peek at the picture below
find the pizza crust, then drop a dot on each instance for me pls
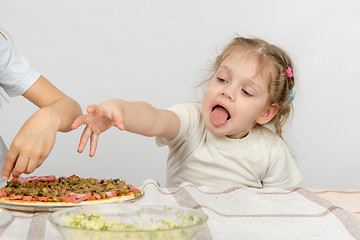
(62, 204)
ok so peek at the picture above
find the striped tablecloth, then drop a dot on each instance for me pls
(237, 213)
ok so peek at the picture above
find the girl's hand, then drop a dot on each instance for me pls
(32, 144)
(99, 119)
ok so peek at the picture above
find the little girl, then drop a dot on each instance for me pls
(221, 141)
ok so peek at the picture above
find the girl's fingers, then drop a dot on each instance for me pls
(96, 121)
(35, 160)
(91, 109)
(85, 119)
(120, 125)
(78, 122)
(93, 144)
(41, 160)
(84, 139)
(10, 161)
(31, 165)
(119, 121)
(20, 166)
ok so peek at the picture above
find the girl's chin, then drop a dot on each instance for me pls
(221, 131)
(215, 130)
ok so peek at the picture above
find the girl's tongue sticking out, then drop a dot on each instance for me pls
(219, 116)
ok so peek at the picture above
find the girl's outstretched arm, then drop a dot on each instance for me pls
(36, 138)
(136, 117)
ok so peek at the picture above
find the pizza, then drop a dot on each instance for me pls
(65, 191)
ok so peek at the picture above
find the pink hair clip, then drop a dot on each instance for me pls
(289, 72)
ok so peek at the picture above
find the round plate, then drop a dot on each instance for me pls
(49, 207)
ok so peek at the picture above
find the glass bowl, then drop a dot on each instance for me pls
(5, 218)
(128, 221)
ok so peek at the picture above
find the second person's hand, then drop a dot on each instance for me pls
(31, 145)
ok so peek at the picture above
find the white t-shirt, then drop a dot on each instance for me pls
(259, 160)
(16, 76)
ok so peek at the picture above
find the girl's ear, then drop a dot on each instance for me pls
(268, 114)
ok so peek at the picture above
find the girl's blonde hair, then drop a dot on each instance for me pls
(273, 64)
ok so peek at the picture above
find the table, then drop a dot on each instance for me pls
(344, 198)
(237, 213)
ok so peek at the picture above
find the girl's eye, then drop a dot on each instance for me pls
(246, 92)
(221, 80)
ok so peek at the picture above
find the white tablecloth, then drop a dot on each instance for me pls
(234, 213)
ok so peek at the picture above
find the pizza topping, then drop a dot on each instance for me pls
(15, 197)
(27, 198)
(65, 189)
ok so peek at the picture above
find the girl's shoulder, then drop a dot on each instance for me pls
(191, 123)
(268, 141)
(265, 134)
(189, 106)
(185, 110)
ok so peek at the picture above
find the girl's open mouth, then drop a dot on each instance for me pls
(219, 115)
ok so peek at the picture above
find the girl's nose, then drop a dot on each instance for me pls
(229, 92)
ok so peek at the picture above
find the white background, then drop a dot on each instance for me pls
(157, 51)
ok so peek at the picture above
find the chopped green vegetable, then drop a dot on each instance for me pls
(98, 222)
